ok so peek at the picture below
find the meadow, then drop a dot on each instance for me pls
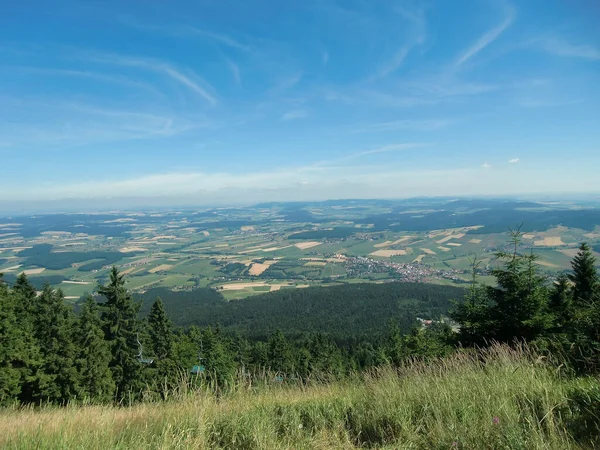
(499, 398)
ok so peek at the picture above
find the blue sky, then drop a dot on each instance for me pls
(237, 101)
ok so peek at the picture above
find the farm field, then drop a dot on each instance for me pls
(248, 250)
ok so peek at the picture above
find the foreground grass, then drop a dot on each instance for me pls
(498, 399)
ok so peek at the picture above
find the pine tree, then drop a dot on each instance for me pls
(584, 277)
(94, 356)
(515, 309)
(218, 360)
(121, 327)
(159, 328)
(11, 350)
(54, 325)
(561, 304)
(280, 357)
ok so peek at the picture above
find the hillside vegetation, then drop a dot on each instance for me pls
(352, 310)
(500, 398)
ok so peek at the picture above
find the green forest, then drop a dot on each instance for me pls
(124, 348)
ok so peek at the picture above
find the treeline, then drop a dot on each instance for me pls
(108, 354)
(344, 312)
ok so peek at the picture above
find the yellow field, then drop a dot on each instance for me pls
(206, 233)
(396, 242)
(445, 249)
(316, 263)
(454, 244)
(529, 236)
(8, 269)
(550, 242)
(475, 241)
(161, 268)
(307, 245)
(388, 253)
(247, 228)
(221, 245)
(132, 249)
(34, 271)
(76, 282)
(258, 268)
(429, 252)
(419, 258)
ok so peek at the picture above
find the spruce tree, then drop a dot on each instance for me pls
(584, 277)
(94, 356)
(54, 326)
(561, 304)
(121, 328)
(515, 309)
(12, 352)
(159, 328)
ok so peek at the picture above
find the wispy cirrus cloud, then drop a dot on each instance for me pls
(235, 72)
(417, 36)
(185, 30)
(191, 81)
(487, 38)
(295, 114)
(558, 46)
(374, 151)
(406, 124)
(514, 160)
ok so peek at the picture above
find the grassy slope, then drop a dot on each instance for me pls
(447, 404)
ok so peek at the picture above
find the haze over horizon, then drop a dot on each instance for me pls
(241, 102)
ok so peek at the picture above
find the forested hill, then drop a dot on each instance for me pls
(341, 311)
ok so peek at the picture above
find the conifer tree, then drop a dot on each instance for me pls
(121, 327)
(515, 309)
(94, 355)
(54, 325)
(218, 359)
(159, 328)
(11, 351)
(561, 304)
(280, 353)
(584, 277)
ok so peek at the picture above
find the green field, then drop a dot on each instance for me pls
(363, 241)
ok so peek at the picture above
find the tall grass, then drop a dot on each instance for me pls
(499, 398)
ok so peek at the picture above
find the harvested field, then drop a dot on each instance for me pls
(428, 251)
(475, 241)
(383, 244)
(419, 258)
(570, 252)
(76, 282)
(221, 245)
(316, 263)
(241, 286)
(156, 238)
(445, 249)
(452, 236)
(132, 249)
(8, 269)
(258, 268)
(529, 236)
(549, 242)
(71, 297)
(275, 287)
(454, 244)
(396, 242)
(247, 228)
(35, 271)
(205, 233)
(161, 268)
(592, 235)
(307, 245)
(388, 253)
(546, 263)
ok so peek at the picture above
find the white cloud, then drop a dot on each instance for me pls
(407, 124)
(485, 165)
(158, 67)
(514, 160)
(487, 38)
(295, 114)
(558, 46)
